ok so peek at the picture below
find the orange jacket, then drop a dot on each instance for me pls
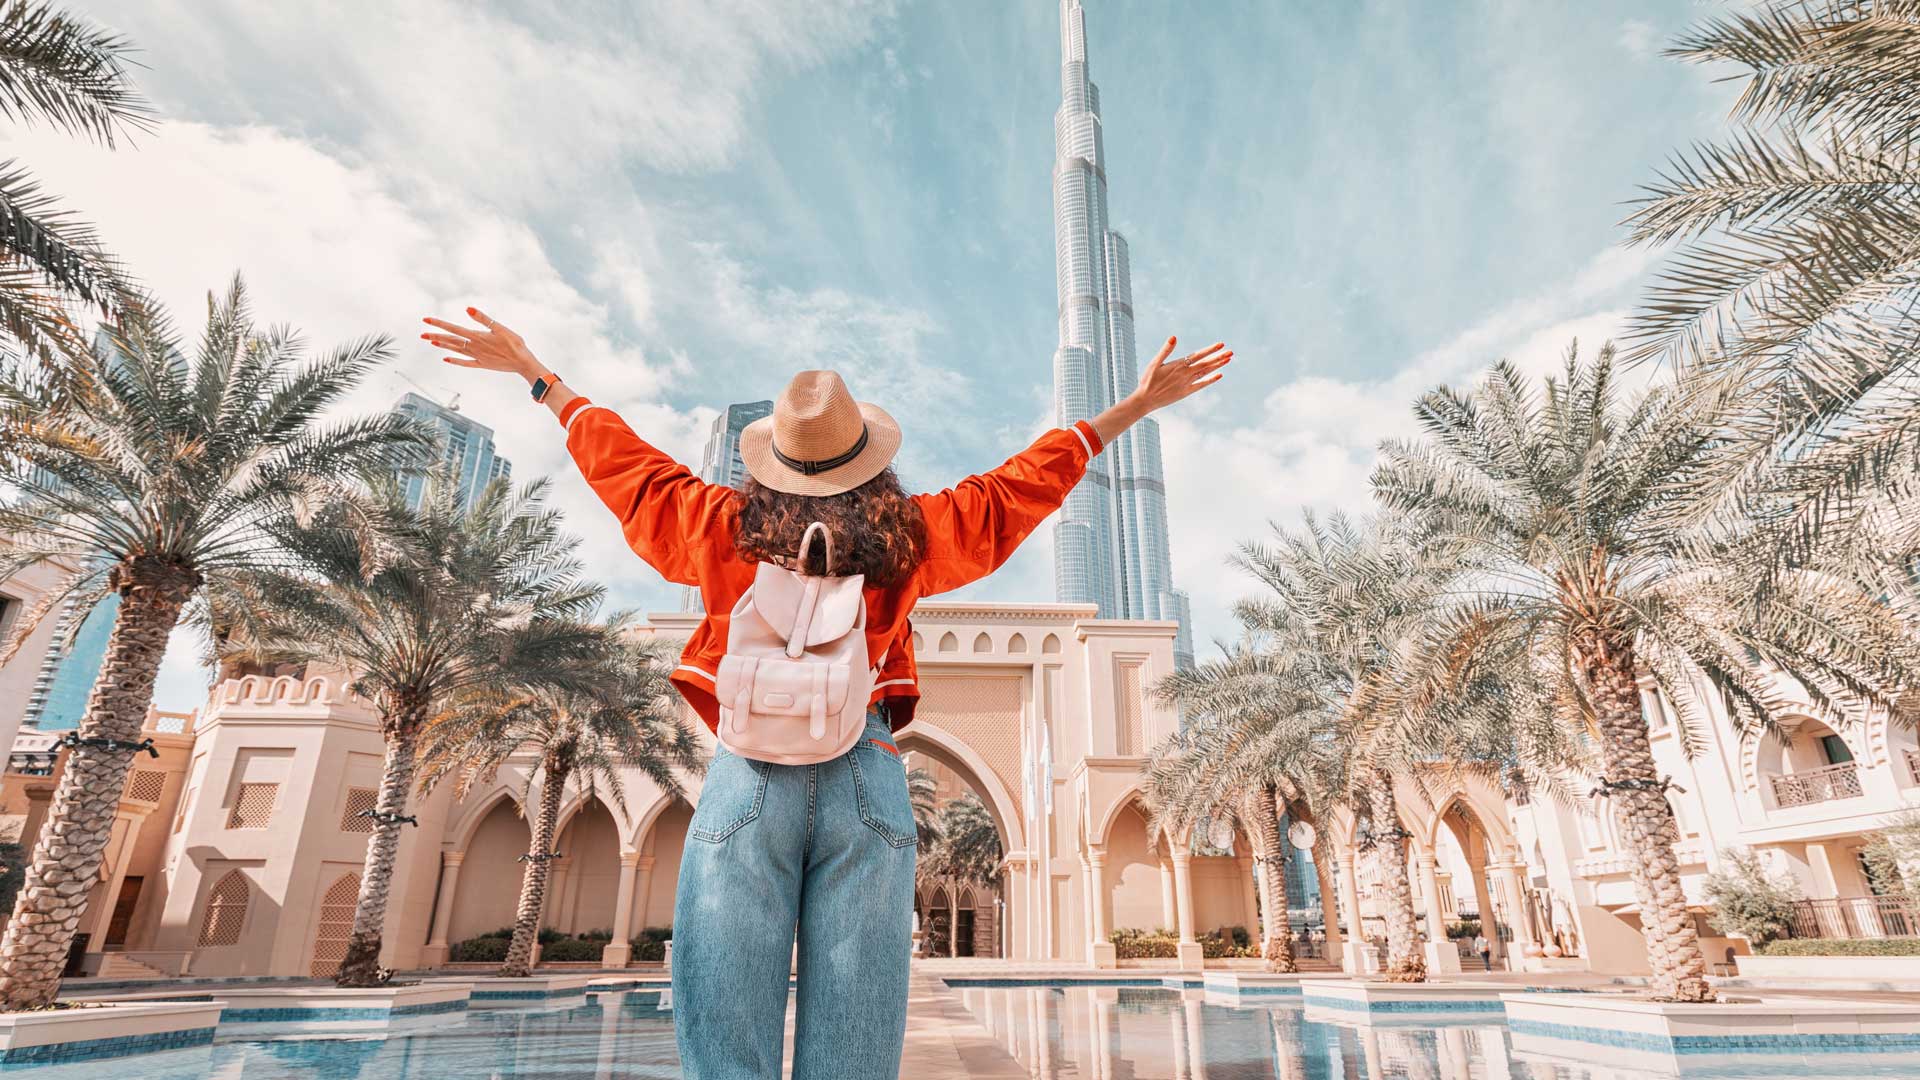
(684, 528)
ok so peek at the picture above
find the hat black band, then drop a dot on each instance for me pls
(812, 468)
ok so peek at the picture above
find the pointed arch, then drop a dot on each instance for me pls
(334, 925)
(460, 834)
(1017, 643)
(226, 914)
(1051, 644)
(949, 643)
(982, 643)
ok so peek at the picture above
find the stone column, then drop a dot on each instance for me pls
(1247, 899)
(1513, 883)
(620, 949)
(1356, 958)
(1169, 908)
(642, 894)
(1101, 950)
(437, 947)
(1329, 908)
(1442, 956)
(1483, 899)
(556, 903)
(120, 843)
(953, 919)
(1191, 957)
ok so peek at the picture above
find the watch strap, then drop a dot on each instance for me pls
(544, 385)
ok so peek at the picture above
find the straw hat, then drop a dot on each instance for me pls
(819, 441)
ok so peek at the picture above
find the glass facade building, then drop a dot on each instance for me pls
(1110, 543)
(466, 449)
(720, 463)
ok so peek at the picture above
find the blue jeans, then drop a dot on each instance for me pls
(825, 850)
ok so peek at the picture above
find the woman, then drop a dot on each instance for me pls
(825, 851)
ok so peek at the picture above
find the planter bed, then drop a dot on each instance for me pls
(1370, 1002)
(1859, 972)
(495, 992)
(1658, 1036)
(107, 1031)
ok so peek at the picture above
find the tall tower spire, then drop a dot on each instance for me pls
(1110, 540)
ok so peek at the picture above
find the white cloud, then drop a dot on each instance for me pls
(1315, 442)
(1640, 38)
(522, 104)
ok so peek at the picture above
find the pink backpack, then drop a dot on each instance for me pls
(794, 683)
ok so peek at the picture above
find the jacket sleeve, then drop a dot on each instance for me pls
(667, 514)
(975, 526)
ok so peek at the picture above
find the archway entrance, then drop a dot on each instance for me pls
(958, 916)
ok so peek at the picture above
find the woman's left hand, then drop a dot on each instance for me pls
(489, 347)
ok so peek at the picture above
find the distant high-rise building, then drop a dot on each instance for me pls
(721, 463)
(1110, 540)
(466, 450)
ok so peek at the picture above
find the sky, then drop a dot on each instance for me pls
(681, 202)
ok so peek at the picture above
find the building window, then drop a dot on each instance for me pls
(253, 806)
(1834, 749)
(9, 611)
(1132, 719)
(146, 785)
(226, 911)
(335, 927)
(359, 801)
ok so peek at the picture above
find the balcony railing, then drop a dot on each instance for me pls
(1857, 917)
(1913, 765)
(1817, 785)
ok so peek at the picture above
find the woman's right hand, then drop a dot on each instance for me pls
(489, 347)
(1163, 383)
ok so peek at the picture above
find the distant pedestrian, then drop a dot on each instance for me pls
(1485, 950)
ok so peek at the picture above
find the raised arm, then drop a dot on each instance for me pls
(975, 526)
(663, 508)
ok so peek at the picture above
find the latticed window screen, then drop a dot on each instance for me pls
(336, 925)
(253, 806)
(1133, 736)
(359, 801)
(226, 910)
(145, 785)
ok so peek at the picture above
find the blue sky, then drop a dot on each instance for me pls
(680, 202)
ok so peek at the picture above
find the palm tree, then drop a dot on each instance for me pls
(58, 70)
(624, 715)
(1568, 501)
(428, 606)
(154, 474)
(1799, 239)
(922, 794)
(1253, 744)
(966, 849)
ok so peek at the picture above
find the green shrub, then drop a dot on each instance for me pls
(485, 949)
(1135, 944)
(1748, 900)
(652, 943)
(1216, 944)
(548, 935)
(13, 870)
(1886, 946)
(569, 949)
(1463, 929)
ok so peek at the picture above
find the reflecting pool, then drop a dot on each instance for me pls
(1068, 1032)
(1055, 1032)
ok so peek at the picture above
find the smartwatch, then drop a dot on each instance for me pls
(544, 385)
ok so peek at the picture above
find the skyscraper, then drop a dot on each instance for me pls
(466, 449)
(721, 463)
(1110, 540)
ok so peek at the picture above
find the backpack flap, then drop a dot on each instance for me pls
(779, 595)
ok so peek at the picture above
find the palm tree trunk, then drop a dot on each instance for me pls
(1277, 947)
(69, 851)
(1404, 962)
(533, 883)
(361, 967)
(1646, 821)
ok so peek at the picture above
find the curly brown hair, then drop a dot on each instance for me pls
(877, 530)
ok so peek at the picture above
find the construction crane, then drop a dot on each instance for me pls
(452, 404)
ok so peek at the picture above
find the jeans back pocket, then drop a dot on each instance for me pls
(880, 779)
(731, 797)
